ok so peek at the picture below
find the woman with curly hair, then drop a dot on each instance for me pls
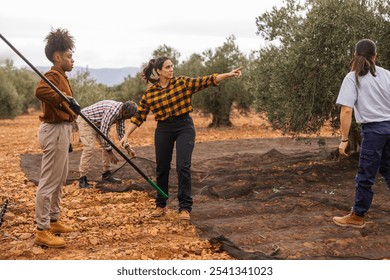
(54, 138)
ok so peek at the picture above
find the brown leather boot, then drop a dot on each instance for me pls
(158, 212)
(184, 215)
(57, 227)
(350, 220)
(47, 238)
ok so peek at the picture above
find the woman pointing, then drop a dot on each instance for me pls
(169, 99)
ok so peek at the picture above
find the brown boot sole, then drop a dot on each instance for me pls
(50, 246)
(350, 225)
(56, 232)
(158, 215)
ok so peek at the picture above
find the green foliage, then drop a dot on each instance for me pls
(9, 99)
(85, 89)
(218, 100)
(17, 89)
(171, 53)
(193, 67)
(131, 89)
(25, 82)
(297, 77)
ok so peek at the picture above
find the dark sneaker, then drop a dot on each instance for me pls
(158, 212)
(58, 227)
(47, 238)
(184, 215)
(83, 183)
(107, 177)
(350, 220)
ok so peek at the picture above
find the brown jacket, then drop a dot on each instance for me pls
(54, 108)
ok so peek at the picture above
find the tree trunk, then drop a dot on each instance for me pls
(220, 121)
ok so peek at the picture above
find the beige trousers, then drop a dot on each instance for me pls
(54, 140)
(88, 137)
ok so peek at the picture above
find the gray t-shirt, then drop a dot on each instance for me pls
(371, 101)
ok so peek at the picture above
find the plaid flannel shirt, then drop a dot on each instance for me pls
(174, 100)
(104, 114)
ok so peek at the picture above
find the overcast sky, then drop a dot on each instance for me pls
(123, 33)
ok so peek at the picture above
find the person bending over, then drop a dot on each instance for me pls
(103, 114)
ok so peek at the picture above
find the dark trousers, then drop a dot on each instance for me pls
(182, 131)
(374, 158)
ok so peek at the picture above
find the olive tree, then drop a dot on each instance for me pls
(218, 100)
(297, 76)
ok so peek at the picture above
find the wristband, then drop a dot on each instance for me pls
(344, 140)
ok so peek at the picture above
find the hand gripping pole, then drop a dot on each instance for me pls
(154, 185)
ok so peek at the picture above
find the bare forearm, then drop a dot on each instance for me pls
(130, 129)
(233, 73)
(345, 121)
(222, 77)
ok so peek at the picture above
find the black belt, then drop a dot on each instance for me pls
(173, 118)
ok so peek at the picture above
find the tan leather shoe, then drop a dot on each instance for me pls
(158, 212)
(184, 215)
(350, 220)
(58, 227)
(47, 238)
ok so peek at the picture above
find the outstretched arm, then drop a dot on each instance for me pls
(129, 130)
(234, 73)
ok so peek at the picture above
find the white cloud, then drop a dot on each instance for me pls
(120, 33)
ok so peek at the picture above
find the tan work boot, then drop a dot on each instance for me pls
(184, 215)
(47, 238)
(58, 227)
(350, 220)
(158, 212)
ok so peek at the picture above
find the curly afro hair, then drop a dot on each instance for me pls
(58, 40)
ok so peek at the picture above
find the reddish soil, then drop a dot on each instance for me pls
(258, 194)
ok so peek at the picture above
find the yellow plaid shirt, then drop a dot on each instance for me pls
(174, 100)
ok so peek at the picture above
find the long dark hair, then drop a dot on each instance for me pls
(363, 62)
(149, 73)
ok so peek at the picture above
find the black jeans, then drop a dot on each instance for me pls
(182, 131)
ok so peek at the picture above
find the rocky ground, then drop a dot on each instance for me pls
(258, 194)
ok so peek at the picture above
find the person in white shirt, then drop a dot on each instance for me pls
(366, 92)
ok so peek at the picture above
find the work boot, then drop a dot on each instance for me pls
(47, 238)
(83, 183)
(106, 176)
(159, 211)
(184, 215)
(350, 220)
(57, 227)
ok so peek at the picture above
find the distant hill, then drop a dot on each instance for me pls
(106, 76)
